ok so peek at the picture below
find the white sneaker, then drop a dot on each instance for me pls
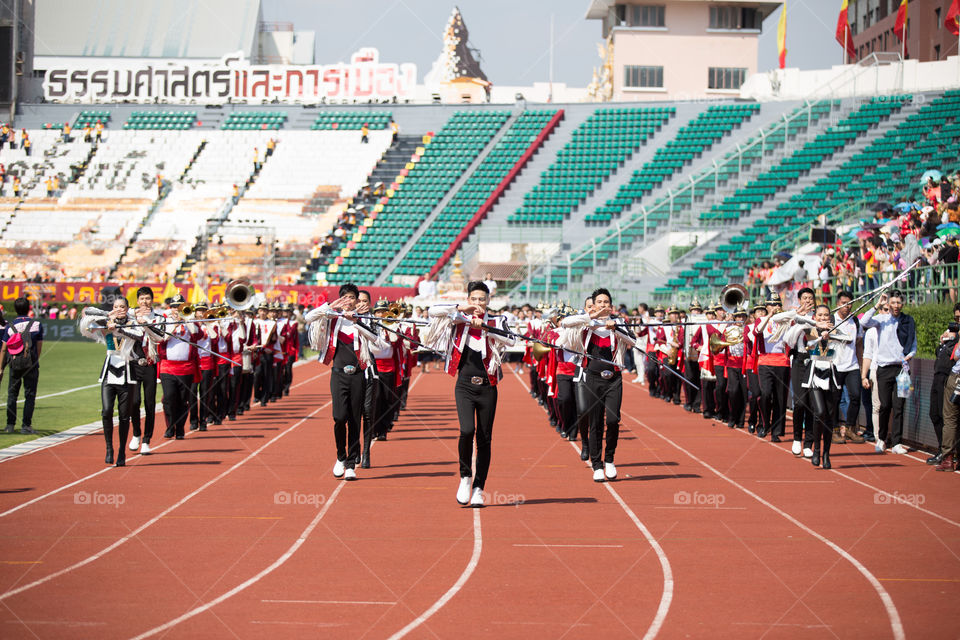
(609, 470)
(134, 443)
(598, 475)
(349, 474)
(879, 448)
(638, 379)
(145, 449)
(796, 447)
(899, 449)
(463, 491)
(338, 470)
(476, 500)
(807, 452)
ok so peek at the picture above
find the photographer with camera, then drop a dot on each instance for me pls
(941, 373)
(22, 342)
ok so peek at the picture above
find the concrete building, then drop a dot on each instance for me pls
(680, 49)
(872, 21)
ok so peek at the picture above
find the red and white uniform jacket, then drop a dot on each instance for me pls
(449, 333)
(582, 330)
(177, 357)
(327, 327)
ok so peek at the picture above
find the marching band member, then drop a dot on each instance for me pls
(474, 357)
(344, 344)
(383, 381)
(250, 359)
(736, 381)
(563, 369)
(848, 368)
(582, 396)
(179, 370)
(276, 348)
(223, 365)
(547, 373)
(596, 334)
(238, 354)
(750, 366)
(692, 357)
(116, 382)
(534, 330)
(652, 361)
(264, 375)
(720, 369)
(799, 365)
(705, 361)
(291, 347)
(773, 370)
(670, 341)
(209, 369)
(410, 330)
(143, 369)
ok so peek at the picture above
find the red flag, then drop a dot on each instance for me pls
(952, 21)
(900, 25)
(782, 36)
(844, 34)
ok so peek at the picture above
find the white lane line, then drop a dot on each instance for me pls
(574, 546)
(896, 626)
(104, 470)
(666, 596)
(890, 497)
(253, 580)
(53, 395)
(798, 481)
(329, 602)
(163, 513)
(54, 439)
(452, 591)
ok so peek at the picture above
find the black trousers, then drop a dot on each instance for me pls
(29, 382)
(709, 393)
(177, 401)
(387, 402)
(287, 376)
(119, 394)
(223, 391)
(937, 390)
(582, 396)
(652, 369)
(194, 404)
(802, 413)
(370, 390)
(850, 380)
(246, 390)
(692, 394)
(209, 396)
(890, 428)
(723, 402)
(277, 379)
(737, 392)
(145, 379)
(671, 383)
(235, 385)
(476, 410)
(605, 397)
(263, 380)
(774, 389)
(566, 405)
(824, 410)
(347, 392)
(753, 383)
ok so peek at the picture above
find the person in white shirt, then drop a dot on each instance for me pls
(868, 380)
(896, 346)
(491, 283)
(427, 287)
(848, 369)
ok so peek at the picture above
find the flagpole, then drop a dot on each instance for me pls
(846, 45)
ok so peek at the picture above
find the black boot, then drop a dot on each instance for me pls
(827, 440)
(122, 453)
(108, 437)
(815, 460)
(365, 459)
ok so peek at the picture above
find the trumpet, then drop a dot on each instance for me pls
(539, 351)
(732, 296)
(186, 310)
(240, 295)
(731, 335)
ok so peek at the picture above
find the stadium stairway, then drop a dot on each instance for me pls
(390, 165)
(384, 278)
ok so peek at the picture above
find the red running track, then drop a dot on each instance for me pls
(242, 532)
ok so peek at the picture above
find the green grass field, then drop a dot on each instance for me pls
(63, 366)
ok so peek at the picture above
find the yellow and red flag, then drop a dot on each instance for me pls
(782, 36)
(900, 25)
(844, 34)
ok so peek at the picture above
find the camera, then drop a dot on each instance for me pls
(953, 327)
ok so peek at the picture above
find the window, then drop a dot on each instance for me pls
(936, 52)
(643, 77)
(646, 15)
(725, 77)
(735, 18)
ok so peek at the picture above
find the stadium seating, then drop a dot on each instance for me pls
(598, 148)
(443, 161)
(251, 121)
(90, 118)
(699, 135)
(50, 158)
(474, 192)
(161, 120)
(351, 120)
